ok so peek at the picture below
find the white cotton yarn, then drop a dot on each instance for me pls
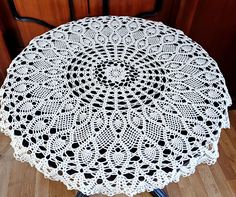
(114, 105)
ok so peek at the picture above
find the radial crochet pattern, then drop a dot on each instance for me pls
(114, 105)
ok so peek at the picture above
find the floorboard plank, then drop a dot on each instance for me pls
(41, 186)
(197, 185)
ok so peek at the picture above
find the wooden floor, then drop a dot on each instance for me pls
(20, 180)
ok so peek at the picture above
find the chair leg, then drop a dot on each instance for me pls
(80, 194)
(159, 193)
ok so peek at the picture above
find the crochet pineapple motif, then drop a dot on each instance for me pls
(114, 105)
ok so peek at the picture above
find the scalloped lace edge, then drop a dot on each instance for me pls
(185, 171)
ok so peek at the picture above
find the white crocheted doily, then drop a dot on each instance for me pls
(114, 105)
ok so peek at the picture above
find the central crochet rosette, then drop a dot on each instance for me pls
(115, 73)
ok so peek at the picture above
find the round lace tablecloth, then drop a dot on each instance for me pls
(114, 105)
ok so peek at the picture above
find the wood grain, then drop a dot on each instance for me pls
(54, 12)
(219, 180)
(130, 7)
(5, 58)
